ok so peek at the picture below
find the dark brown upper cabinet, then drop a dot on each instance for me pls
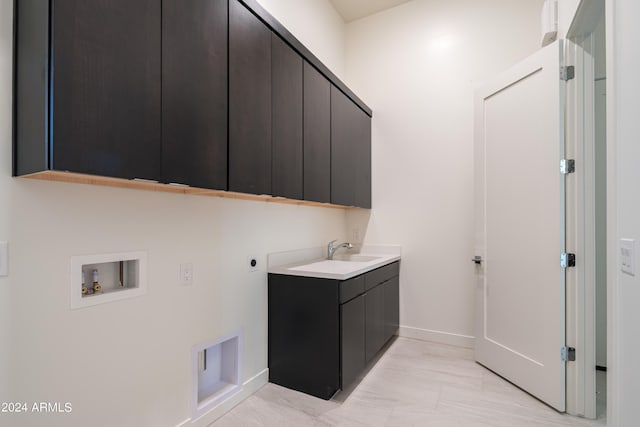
(286, 113)
(249, 102)
(214, 94)
(101, 60)
(350, 152)
(317, 136)
(194, 92)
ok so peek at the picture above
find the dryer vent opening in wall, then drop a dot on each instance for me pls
(216, 373)
(102, 278)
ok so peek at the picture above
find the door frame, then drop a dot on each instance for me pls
(581, 237)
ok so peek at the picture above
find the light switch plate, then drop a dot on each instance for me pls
(4, 259)
(628, 256)
(186, 273)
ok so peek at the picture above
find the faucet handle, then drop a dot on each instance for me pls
(332, 242)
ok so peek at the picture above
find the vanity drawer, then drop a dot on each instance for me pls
(351, 288)
(382, 274)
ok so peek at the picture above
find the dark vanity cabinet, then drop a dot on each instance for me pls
(87, 88)
(194, 93)
(324, 332)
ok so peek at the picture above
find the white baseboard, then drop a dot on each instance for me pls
(253, 384)
(458, 340)
(248, 388)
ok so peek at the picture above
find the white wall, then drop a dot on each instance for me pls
(566, 11)
(317, 25)
(623, 130)
(417, 66)
(128, 363)
(6, 303)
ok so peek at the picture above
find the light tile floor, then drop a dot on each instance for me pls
(414, 383)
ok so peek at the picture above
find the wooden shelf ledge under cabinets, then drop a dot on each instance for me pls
(79, 178)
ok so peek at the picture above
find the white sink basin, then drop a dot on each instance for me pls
(326, 266)
(343, 266)
(340, 264)
(355, 258)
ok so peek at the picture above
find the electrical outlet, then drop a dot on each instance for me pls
(356, 235)
(4, 259)
(252, 263)
(186, 273)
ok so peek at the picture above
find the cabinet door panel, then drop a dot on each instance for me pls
(352, 325)
(249, 102)
(374, 310)
(106, 73)
(303, 329)
(286, 74)
(194, 93)
(391, 307)
(362, 159)
(350, 152)
(343, 151)
(317, 136)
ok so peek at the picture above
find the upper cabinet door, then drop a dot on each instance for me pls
(249, 102)
(106, 85)
(362, 126)
(286, 137)
(194, 92)
(350, 152)
(317, 136)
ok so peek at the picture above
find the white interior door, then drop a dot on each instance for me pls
(520, 231)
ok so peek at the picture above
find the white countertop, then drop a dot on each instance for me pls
(345, 265)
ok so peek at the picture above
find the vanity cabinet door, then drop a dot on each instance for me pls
(391, 307)
(352, 339)
(374, 320)
(303, 329)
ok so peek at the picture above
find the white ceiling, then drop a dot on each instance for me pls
(356, 9)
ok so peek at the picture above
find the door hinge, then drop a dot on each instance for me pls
(567, 166)
(567, 260)
(568, 354)
(567, 73)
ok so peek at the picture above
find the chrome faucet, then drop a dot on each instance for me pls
(331, 248)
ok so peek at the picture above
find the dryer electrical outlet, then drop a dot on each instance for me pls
(252, 263)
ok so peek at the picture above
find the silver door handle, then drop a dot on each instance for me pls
(477, 259)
